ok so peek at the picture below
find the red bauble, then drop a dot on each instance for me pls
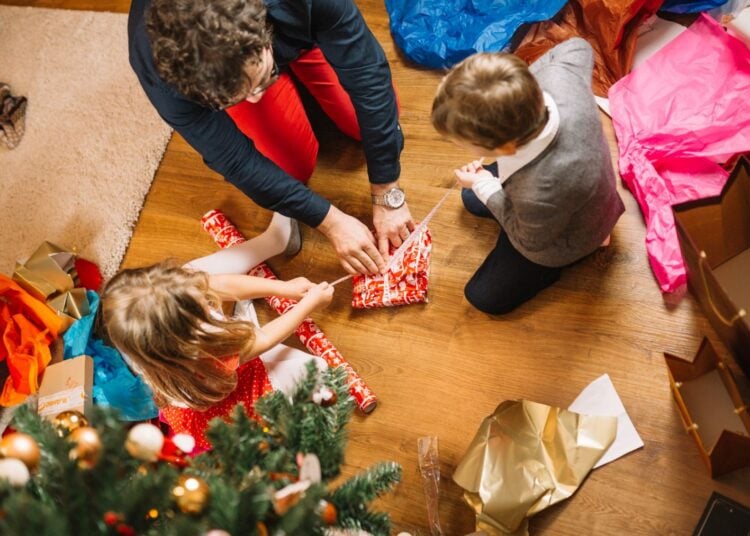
(328, 513)
(111, 518)
(125, 530)
(171, 453)
(88, 274)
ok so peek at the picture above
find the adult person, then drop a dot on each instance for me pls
(220, 73)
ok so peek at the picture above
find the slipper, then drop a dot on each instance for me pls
(294, 244)
(12, 117)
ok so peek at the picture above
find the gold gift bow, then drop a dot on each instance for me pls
(46, 275)
(527, 456)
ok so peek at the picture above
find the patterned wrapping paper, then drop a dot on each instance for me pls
(225, 234)
(406, 282)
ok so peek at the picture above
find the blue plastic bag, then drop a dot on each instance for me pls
(114, 384)
(690, 6)
(441, 33)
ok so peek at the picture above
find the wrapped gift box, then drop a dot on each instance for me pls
(404, 283)
(714, 236)
(50, 275)
(67, 386)
(712, 409)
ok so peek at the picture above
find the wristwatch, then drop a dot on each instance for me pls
(393, 198)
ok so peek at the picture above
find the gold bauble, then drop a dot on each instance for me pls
(22, 447)
(67, 421)
(191, 494)
(88, 447)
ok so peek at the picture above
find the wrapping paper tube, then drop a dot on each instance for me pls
(225, 234)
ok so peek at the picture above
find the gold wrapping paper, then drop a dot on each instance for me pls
(528, 456)
(49, 275)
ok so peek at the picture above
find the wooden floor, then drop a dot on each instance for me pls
(438, 369)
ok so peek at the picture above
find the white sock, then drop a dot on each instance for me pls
(241, 258)
(286, 366)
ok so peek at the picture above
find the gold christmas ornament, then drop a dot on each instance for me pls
(67, 421)
(88, 447)
(191, 494)
(144, 442)
(14, 471)
(22, 447)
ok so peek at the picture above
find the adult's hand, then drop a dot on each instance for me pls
(354, 243)
(391, 225)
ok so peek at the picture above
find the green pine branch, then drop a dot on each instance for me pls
(251, 460)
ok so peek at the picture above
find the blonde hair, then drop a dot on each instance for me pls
(488, 100)
(160, 317)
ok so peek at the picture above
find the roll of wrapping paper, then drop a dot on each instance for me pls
(225, 234)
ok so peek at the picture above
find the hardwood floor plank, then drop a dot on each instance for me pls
(440, 368)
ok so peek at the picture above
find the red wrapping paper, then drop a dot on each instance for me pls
(225, 234)
(404, 283)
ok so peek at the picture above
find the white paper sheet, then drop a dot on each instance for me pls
(603, 104)
(655, 34)
(600, 398)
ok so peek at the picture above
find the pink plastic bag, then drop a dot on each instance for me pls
(677, 117)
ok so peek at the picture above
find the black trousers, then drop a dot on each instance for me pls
(506, 279)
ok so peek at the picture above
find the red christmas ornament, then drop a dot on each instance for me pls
(88, 274)
(125, 530)
(171, 453)
(328, 513)
(111, 518)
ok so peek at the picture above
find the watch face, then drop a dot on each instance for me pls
(394, 198)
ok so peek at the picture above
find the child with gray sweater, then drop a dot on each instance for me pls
(552, 187)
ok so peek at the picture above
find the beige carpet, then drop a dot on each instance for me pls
(92, 142)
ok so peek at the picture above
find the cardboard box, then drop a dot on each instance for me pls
(66, 386)
(714, 236)
(712, 409)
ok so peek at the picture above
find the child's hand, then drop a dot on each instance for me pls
(297, 287)
(320, 295)
(472, 172)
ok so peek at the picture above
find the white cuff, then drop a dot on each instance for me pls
(484, 188)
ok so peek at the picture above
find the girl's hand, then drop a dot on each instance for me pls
(320, 295)
(472, 172)
(296, 288)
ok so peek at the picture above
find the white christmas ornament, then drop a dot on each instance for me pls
(324, 394)
(309, 468)
(14, 471)
(144, 442)
(184, 442)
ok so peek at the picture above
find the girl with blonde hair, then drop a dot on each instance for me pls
(167, 321)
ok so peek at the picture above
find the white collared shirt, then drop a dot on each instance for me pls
(508, 165)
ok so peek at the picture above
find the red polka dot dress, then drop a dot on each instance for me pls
(252, 383)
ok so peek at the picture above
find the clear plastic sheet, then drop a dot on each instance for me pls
(429, 467)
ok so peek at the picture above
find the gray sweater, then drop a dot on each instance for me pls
(561, 206)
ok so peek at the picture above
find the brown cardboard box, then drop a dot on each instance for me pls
(714, 236)
(712, 409)
(67, 385)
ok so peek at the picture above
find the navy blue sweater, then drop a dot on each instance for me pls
(337, 27)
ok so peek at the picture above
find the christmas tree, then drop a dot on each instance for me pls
(264, 476)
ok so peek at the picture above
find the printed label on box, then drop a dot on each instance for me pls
(69, 399)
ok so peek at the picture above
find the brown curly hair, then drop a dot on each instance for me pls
(202, 46)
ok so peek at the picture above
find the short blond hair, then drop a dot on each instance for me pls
(488, 100)
(160, 318)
